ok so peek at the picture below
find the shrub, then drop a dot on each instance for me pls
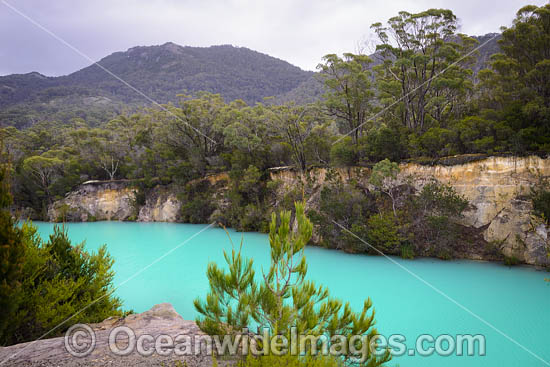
(283, 298)
(540, 198)
(12, 260)
(197, 204)
(347, 205)
(383, 232)
(43, 284)
(58, 281)
(429, 220)
(384, 143)
(343, 153)
(407, 251)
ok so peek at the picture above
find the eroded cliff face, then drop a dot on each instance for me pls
(115, 201)
(497, 188)
(161, 205)
(95, 201)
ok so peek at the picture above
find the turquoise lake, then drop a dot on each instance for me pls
(514, 300)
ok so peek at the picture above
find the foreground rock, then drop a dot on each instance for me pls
(162, 319)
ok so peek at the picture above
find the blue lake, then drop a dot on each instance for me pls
(516, 301)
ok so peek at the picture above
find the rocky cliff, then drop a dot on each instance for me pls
(497, 188)
(95, 200)
(115, 201)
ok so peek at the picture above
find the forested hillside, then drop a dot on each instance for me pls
(160, 72)
(422, 99)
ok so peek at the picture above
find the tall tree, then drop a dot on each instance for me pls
(45, 168)
(414, 50)
(517, 86)
(192, 128)
(295, 125)
(350, 96)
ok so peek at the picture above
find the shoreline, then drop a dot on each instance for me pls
(496, 262)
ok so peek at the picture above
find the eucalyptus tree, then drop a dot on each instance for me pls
(44, 169)
(297, 127)
(247, 133)
(191, 129)
(349, 97)
(516, 88)
(424, 73)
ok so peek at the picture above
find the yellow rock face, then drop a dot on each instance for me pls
(497, 188)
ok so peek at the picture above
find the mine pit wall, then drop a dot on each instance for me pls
(497, 188)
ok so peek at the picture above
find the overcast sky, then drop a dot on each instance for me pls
(300, 32)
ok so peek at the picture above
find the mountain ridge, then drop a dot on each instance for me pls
(161, 72)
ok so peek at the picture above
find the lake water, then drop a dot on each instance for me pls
(514, 300)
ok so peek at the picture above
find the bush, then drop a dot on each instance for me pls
(430, 219)
(540, 198)
(407, 251)
(384, 143)
(43, 284)
(383, 232)
(58, 280)
(282, 299)
(12, 259)
(343, 153)
(197, 202)
(436, 142)
(347, 205)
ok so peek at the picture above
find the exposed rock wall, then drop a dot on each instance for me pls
(95, 201)
(497, 188)
(161, 205)
(115, 201)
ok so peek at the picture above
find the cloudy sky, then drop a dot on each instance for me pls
(298, 31)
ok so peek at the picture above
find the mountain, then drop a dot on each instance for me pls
(490, 46)
(160, 72)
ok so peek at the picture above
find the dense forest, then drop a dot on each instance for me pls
(419, 97)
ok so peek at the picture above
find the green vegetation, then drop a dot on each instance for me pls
(283, 298)
(391, 216)
(380, 108)
(540, 199)
(423, 96)
(44, 283)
